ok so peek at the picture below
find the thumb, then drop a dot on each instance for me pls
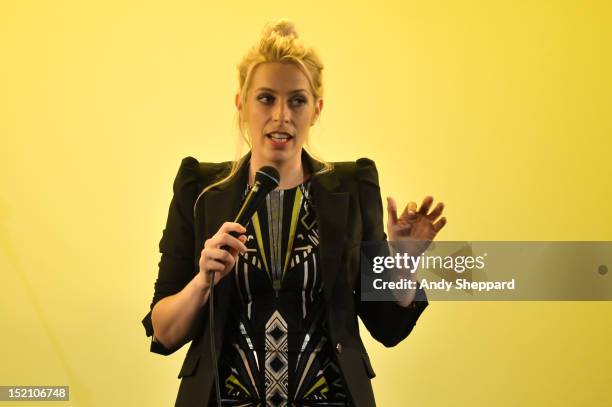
(392, 210)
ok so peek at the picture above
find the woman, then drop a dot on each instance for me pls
(287, 291)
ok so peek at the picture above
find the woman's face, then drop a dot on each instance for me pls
(280, 108)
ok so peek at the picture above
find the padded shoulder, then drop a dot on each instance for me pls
(362, 170)
(188, 173)
(366, 171)
(193, 171)
(192, 177)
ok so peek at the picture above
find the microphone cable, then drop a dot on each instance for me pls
(213, 351)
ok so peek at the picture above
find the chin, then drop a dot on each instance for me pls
(278, 157)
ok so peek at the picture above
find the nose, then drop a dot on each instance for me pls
(281, 113)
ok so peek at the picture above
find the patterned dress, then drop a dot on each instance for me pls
(276, 351)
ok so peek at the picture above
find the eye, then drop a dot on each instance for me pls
(299, 101)
(265, 98)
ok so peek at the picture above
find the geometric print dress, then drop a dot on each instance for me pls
(277, 352)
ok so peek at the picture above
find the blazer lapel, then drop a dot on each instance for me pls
(331, 209)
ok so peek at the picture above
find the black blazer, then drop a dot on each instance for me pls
(349, 210)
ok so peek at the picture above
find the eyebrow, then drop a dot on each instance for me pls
(292, 91)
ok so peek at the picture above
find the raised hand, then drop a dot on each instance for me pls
(415, 224)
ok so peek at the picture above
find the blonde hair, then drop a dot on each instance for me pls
(279, 42)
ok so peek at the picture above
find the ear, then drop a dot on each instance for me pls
(237, 101)
(318, 108)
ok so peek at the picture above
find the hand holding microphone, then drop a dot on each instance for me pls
(221, 250)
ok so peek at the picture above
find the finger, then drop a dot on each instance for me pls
(436, 212)
(221, 256)
(410, 210)
(439, 224)
(391, 210)
(210, 264)
(218, 268)
(214, 255)
(425, 205)
(212, 267)
(228, 227)
(222, 239)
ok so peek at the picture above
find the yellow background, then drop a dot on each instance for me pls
(502, 110)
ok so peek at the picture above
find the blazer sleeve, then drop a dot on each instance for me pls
(387, 321)
(177, 244)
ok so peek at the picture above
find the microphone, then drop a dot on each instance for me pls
(266, 179)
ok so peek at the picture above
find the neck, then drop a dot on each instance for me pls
(292, 173)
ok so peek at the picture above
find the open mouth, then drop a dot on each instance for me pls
(279, 137)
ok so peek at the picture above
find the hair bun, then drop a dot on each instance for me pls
(283, 27)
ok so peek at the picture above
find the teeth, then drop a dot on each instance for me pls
(279, 136)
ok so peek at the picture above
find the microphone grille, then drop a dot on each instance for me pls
(268, 177)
